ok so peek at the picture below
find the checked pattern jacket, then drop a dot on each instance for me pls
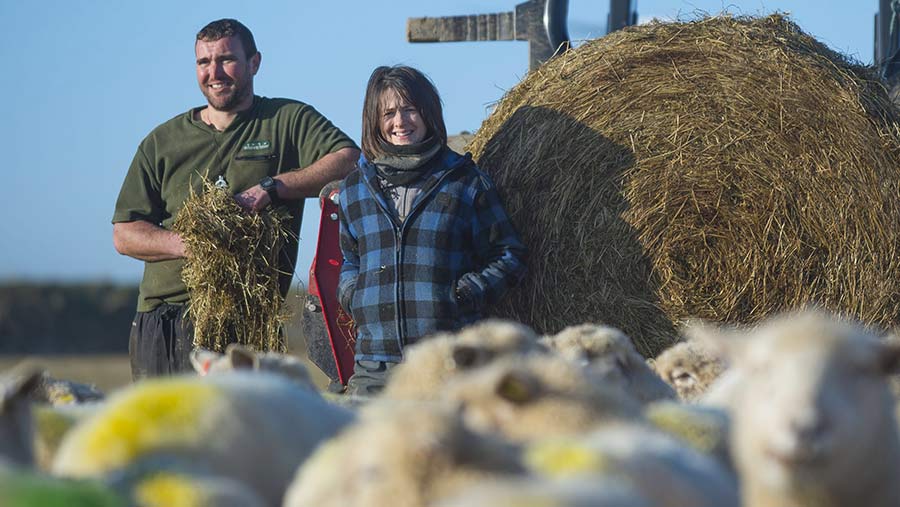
(455, 253)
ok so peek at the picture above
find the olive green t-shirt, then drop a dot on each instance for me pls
(272, 137)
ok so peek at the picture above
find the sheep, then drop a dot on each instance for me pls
(55, 391)
(16, 419)
(613, 357)
(813, 416)
(690, 367)
(52, 423)
(238, 357)
(667, 472)
(255, 428)
(537, 492)
(531, 396)
(429, 364)
(706, 429)
(172, 487)
(402, 454)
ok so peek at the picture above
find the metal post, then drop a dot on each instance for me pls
(620, 15)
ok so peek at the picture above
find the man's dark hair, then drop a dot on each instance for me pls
(413, 87)
(229, 28)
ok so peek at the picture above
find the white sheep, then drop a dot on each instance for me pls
(612, 356)
(690, 367)
(703, 428)
(539, 492)
(255, 428)
(429, 364)
(401, 454)
(55, 391)
(172, 487)
(664, 470)
(240, 357)
(52, 423)
(16, 420)
(813, 417)
(536, 395)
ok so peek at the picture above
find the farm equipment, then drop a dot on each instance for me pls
(332, 351)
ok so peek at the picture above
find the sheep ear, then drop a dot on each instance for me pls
(202, 359)
(517, 387)
(889, 356)
(240, 357)
(20, 386)
(720, 342)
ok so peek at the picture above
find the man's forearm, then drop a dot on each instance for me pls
(307, 182)
(147, 242)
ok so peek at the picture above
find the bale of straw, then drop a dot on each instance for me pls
(232, 271)
(724, 168)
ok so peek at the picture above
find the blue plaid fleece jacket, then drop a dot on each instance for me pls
(455, 252)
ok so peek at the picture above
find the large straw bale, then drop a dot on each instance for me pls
(232, 271)
(724, 168)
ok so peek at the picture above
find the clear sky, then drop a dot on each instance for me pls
(84, 81)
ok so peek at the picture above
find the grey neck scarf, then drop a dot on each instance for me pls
(401, 165)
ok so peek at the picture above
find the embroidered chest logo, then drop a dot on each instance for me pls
(256, 145)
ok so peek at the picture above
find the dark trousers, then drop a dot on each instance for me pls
(369, 377)
(160, 343)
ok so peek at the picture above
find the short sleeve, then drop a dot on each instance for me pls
(317, 136)
(139, 197)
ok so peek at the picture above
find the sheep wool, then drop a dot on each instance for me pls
(225, 425)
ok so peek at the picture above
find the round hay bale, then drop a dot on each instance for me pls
(724, 168)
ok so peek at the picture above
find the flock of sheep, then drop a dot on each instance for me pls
(797, 411)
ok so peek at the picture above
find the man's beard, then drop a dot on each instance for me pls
(227, 102)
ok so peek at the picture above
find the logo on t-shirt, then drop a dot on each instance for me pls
(256, 145)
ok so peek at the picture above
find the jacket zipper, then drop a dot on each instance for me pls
(398, 245)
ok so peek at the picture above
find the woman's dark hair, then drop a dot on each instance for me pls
(413, 87)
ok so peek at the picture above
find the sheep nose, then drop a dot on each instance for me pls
(809, 427)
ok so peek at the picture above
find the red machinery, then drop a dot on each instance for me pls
(333, 351)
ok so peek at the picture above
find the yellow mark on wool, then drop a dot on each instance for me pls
(167, 490)
(64, 399)
(564, 458)
(152, 415)
(698, 431)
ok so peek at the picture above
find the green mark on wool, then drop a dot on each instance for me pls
(167, 490)
(152, 415)
(28, 490)
(563, 458)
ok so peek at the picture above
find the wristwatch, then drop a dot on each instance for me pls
(268, 184)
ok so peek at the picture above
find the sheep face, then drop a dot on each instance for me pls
(690, 368)
(612, 358)
(814, 411)
(534, 396)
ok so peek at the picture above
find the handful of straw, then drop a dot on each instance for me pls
(232, 271)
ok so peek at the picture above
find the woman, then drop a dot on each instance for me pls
(425, 240)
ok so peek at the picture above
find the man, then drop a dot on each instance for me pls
(266, 151)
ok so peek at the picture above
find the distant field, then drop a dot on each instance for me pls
(107, 372)
(80, 331)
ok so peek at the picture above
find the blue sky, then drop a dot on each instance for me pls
(84, 81)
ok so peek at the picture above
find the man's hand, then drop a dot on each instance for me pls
(253, 199)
